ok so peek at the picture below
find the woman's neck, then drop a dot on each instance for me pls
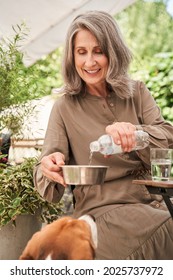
(97, 91)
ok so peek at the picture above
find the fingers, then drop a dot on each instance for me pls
(123, 134)
(51, 167)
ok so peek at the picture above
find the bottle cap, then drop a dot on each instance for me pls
(94, 146)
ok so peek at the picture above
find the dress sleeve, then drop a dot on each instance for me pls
(151, 121)
(55, 141)
(49, 190)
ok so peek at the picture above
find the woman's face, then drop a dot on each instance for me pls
(91, 64)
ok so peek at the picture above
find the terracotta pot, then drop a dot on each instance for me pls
(14, 239)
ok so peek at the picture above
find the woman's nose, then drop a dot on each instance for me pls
(90, 61)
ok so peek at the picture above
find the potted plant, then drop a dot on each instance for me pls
(22, 209)
(18, 84)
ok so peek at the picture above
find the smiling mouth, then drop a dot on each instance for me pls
(92, 71)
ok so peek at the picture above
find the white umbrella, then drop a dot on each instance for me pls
(48, 21)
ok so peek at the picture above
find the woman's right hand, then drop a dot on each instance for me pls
(51, 167)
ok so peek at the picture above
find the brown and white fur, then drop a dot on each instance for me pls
(63, 239)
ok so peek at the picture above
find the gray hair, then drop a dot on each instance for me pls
(105, 29)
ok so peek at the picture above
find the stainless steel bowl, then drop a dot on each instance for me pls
(84, 174)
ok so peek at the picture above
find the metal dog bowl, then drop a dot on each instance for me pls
(84, 174)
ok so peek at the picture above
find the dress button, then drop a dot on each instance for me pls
(157, 205)
(111, 104)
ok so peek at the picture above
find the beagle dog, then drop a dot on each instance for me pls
(63, 239)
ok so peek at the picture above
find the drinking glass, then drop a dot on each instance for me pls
(161, 163)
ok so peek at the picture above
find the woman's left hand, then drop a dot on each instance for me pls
(123, 134)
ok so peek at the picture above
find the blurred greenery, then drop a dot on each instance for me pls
(148, 30)
(49, 69)
(157, 73)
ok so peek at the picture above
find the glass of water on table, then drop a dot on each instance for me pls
(161, 163)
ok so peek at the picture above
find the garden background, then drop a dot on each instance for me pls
(148, 29)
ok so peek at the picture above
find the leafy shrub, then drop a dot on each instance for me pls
(157, 73)
(18, 83)
(18, 196)
(49, 72)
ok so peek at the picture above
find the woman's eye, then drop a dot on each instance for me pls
(98, 51)
(81, 52)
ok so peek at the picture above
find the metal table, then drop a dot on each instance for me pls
(164, 188)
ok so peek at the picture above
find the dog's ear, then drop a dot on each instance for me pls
(32, 249)
(59, 256)
(42, 254)
(26, 257)
(31, 255)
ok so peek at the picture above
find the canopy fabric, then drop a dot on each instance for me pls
(48, 21)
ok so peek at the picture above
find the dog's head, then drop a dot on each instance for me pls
(65, 238)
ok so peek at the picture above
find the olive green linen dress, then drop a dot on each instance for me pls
(132, 223)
